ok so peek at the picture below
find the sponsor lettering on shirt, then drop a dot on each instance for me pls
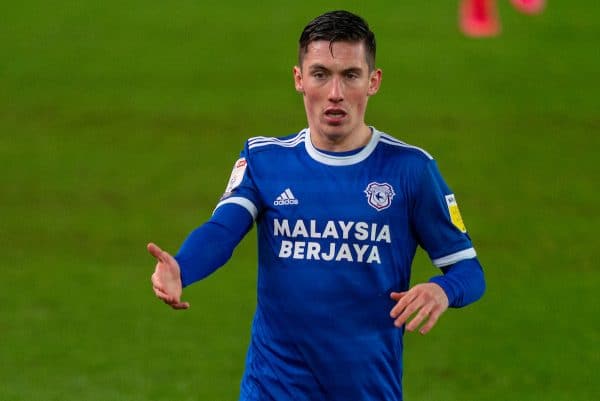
(360, 240)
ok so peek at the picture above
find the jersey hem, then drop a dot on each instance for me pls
(455, 257)
(243, 202)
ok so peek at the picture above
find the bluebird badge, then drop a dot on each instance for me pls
(379, 195)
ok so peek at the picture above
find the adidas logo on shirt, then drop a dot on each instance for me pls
(286, 198)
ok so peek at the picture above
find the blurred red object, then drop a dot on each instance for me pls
(479, 18)
(529, 6)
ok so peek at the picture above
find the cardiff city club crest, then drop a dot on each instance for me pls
(380, 195)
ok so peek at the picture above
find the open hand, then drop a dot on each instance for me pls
(166, 280)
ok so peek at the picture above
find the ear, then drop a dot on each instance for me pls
(298, 79)
(374, 82)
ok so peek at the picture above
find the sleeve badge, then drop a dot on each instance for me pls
(237, 175)
(455, 216)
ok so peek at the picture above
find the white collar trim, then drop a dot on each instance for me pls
(333, 160)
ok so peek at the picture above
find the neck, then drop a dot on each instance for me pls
(341, 143)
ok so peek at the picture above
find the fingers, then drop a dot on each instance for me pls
(406, 312)
(180, 305)
(155, 251)
(421, 316)
(423, 303)
(433, 318)
(163, 281)
(172, 301)
(161, 294)
(403, 300)
(175, 303)
(396, 296)
(156, 281)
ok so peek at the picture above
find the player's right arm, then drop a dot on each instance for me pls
(205, 249)
(211, 245)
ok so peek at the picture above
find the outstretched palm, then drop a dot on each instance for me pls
(166, 279)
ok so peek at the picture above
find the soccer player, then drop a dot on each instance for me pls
(480, 18)
(340, 208)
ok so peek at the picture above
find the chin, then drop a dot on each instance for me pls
(336, 129)
(334, 132)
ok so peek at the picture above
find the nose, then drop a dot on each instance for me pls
(335, 90)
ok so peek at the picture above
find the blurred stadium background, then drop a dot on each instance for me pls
(119, 124)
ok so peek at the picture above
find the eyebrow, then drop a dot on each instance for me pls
(355, 70)
(315, 67)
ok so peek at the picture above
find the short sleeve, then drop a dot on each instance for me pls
(241, 188)
(437, 222)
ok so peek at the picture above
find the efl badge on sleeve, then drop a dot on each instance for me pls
(237, 175)
(455, 213)
(379, 195)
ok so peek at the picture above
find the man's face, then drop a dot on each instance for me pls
(336, 84)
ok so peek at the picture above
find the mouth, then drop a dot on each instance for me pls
(335, 115)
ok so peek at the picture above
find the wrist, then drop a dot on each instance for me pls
(446, 287)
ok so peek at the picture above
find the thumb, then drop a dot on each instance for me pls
(156, 251)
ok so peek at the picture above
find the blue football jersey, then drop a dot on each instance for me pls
(337, 232)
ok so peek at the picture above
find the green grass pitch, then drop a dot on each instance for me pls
(119, 124)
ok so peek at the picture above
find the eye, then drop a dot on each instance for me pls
(318, 74)
(352, 75)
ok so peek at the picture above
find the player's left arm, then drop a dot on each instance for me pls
(441, 232)
(461, 284)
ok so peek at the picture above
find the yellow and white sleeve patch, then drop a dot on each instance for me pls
(237, 175)
(455, 216)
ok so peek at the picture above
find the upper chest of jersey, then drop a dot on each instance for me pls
(326, 192)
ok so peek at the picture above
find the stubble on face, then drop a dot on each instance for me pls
(336, 83)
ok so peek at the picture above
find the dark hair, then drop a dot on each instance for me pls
(338, 26)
